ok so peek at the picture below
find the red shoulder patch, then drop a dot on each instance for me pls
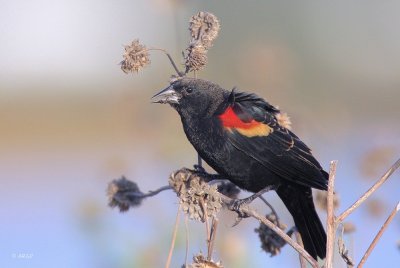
(230, 121)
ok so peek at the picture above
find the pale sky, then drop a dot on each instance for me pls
(74, 39)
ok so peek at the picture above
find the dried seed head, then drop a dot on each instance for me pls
(375, 160)
(136, 57)
(284, 120)
(375, 207)
(204, 28)
(196, 57)
(123, 194)
(270, 241)
(194, 193)
(321, 199)
(348, 227)
(200, 261)
(229, 189)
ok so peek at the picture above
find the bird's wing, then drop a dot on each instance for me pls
(252, 127)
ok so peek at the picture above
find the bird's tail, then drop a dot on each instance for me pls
(298, 200)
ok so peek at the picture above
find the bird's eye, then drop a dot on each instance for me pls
(189, 90)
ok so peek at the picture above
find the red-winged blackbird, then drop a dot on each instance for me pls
(239, 135)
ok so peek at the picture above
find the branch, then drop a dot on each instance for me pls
(170, 59)
(375, 187)
(300, 242)
(330, 224)
(270, 207)
(378, 235)
(343, 251)
(124, 194)
(251, 212)
(151, 193)
(171, 249)
(185, 175)
(213, 231)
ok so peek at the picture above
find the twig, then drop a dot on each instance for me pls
(331, 224)
(204, 207)
(248, 211)
(213, 234)
(344, 253)
(199, 160)
(378, 235)
(300, 242)
(171, 249)
(170, 59)
(270, 207)
(375, 187)
(150, 193)
(187, 239)
(282, 234)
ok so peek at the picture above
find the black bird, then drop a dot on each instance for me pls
(241, 137)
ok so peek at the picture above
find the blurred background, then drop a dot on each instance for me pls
(71, 121)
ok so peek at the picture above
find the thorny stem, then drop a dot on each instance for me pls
(171, 249)
(371, 190)
(170, 59)
(331, 223)
(378, 235)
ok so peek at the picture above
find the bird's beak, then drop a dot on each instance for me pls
(168, 95)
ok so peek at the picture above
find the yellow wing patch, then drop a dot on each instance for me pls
(258, 130)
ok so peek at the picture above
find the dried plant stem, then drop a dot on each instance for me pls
(203, 205)
(378, 235)
(270, 207)
(375, 187)
(300, 242)
(331, 223)
(284, 236)
(187, 239)
(213, 234)
(251, 212)
(170, 59)
(344, 253)
(171, 249)
(151, 193)
(199, 160)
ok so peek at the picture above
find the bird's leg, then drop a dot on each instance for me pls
(199, 165)
(199, 169)
(236, 204)
(199, 161)
(209, 177)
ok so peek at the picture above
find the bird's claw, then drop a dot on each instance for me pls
(236, 205)
(237, 221)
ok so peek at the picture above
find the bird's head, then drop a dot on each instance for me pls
(192, 97)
